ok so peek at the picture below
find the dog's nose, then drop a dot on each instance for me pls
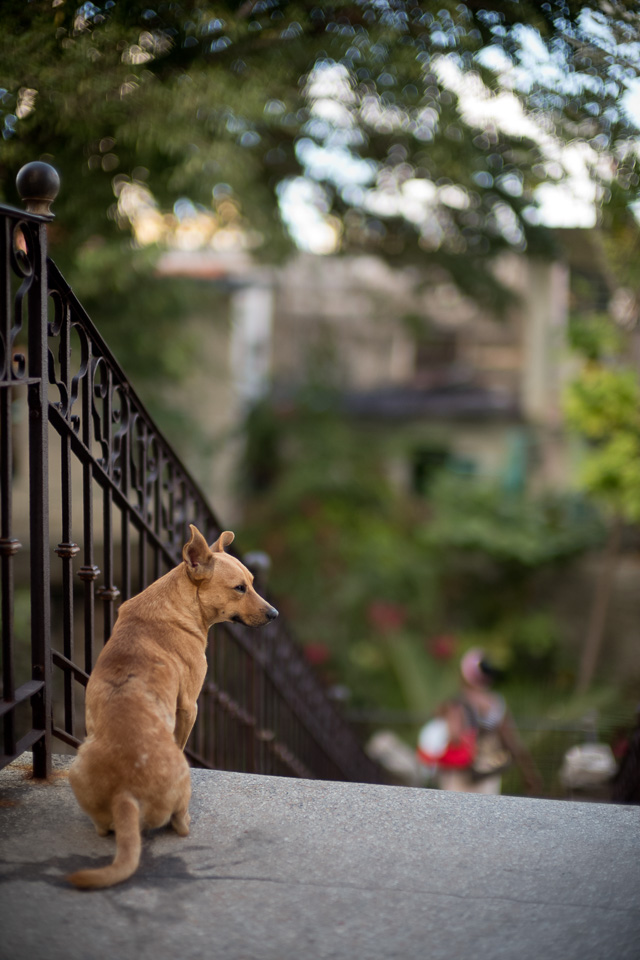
(272, 613)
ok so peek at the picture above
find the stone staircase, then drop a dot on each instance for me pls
(286, 869)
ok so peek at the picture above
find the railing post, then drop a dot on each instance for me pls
(38, 185)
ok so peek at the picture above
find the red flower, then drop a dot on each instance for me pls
(442, 647)
(317, 653)
(387, 617)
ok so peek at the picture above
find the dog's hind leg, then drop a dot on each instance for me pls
(180, 818)
(180, 821)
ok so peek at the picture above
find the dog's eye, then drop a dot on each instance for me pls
(241, 588)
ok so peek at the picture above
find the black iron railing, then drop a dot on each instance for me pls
(107, 507)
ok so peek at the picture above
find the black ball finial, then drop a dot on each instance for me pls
(38, 185)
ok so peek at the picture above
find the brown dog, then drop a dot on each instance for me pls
(131, 772)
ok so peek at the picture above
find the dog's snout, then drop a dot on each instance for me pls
(272, 613)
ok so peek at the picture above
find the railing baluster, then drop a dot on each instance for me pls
(66, 549)
(157, 509)
(125, 482)
(39, 504)
(9, 545)
(108, 592)
(142, 487)
(88, 572)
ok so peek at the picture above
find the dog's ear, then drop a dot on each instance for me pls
(197, 555)
(223, 541)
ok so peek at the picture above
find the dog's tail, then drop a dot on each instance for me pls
(126, 824)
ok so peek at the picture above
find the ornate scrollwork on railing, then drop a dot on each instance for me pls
(22, 249)
(134, 461)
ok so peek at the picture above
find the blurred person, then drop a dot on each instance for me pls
(483, 738)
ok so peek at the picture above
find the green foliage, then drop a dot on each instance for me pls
(593, 336)
(536, 637)
(261, 451)
(116, 284)
(524, 644)
(603, 405)
(494, 548)
(613, 474)
(603, 400)
(513, 529)
(378, 581)
(350, 571)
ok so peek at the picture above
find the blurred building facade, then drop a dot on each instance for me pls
(447, 380)
(450, 381)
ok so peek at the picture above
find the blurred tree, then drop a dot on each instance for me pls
(603, 405)
(515, 531)
(493, 545)
(403, 118)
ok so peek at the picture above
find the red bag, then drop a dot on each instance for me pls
(436, 749)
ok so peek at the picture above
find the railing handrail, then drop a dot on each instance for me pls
(7, 209)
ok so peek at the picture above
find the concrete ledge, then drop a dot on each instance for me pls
(283, 869)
